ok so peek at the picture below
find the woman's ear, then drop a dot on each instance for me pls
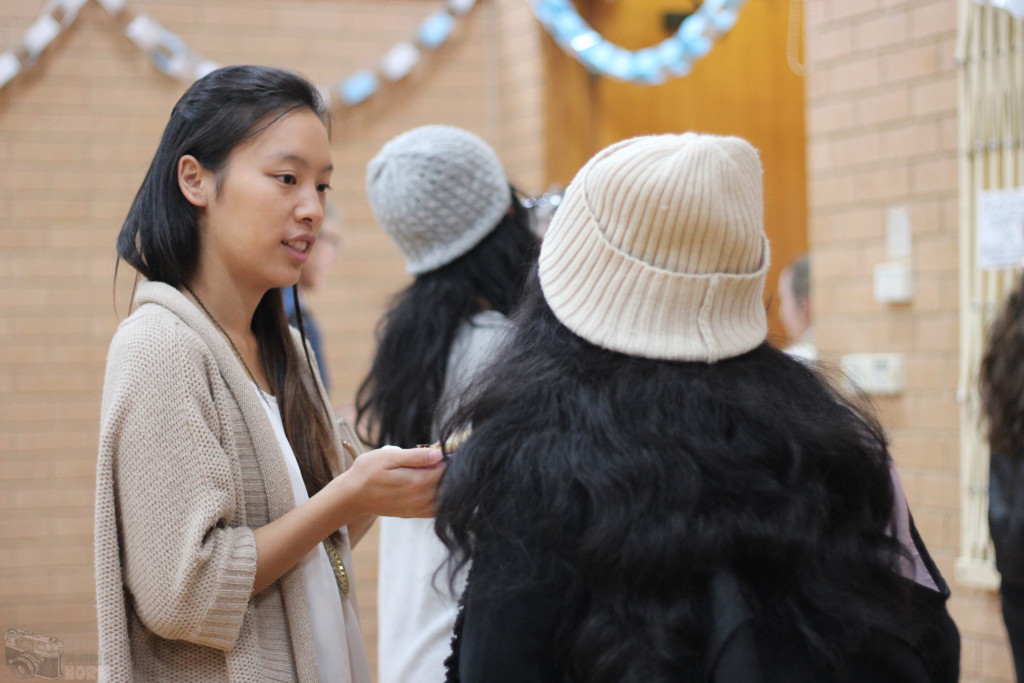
(194, 180)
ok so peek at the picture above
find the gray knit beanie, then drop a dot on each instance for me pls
(437, 191)
(658, 249)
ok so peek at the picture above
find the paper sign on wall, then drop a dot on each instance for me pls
(1000, 228)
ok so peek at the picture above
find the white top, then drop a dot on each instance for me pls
(415, 618)
(325, 609)
(803, 350)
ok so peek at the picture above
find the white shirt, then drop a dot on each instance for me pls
(325, 608)
(415, 618)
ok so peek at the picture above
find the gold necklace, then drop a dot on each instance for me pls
(234, 348)
(333, 556)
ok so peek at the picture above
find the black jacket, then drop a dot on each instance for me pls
(1006, 515)
(513, 640)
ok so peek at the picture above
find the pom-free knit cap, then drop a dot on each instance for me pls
(658, 249)
(437, 191)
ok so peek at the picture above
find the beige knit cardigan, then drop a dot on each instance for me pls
(188, 466)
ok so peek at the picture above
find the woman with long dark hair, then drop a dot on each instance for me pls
(1001, 385)
(442, 196)
(226, 502)
(650, 492)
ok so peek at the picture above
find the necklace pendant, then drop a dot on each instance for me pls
(340, 575)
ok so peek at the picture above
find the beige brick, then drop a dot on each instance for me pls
(837, 262)
(885, 29)
(910, 139)
(997, 660)
(914, 449)
(949, 132)
(884, 107)
(934, 176)
(828, 117)
(977, 614)
(933, 295)
(819, 156)
(853, 298)
(933, 19)
(817, 12)
(846, 334)
(860, 74)
(838, 189)
(970, 657)
(937, 333)
(889, 182)
(819, 82)
(934, 97)
(934, 411)
(926, 218)
(912, 63)
(937, 254)
(847, 9)
(829, 44)
(857, 148)
(858, 223)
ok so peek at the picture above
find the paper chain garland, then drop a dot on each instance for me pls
(172, 56)
(673, 57)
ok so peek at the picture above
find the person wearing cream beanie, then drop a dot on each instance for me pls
(650, 492)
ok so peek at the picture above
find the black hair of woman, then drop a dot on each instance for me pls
(650, 492)
(1001, 382)
(815, 499)
(397, 401)
(160, 235)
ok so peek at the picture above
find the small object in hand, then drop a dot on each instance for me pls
(455, 441)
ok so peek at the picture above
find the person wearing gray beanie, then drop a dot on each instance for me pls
(652, 493)
(442, 196)
(437, 191)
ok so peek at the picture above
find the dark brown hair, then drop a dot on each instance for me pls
(1001, 380)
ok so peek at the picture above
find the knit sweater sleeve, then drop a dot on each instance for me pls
(188, 563)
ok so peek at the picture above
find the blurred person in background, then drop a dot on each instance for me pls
(795, 308)
(1001, 386)
(442, 196)
(314, 274)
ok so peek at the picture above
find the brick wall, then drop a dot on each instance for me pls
(882, 133)
(76, 135)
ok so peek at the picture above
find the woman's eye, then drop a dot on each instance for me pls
(323, 187)
(287, 178)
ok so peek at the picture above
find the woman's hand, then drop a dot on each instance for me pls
(393, 482)
(388, 481)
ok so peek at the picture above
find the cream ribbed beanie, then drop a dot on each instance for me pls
(658, 249)
(437, 191)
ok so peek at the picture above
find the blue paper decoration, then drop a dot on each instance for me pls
(435, 29)
(358, 87)
(650, 66)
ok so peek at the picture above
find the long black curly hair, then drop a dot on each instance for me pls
(1001, 381)
(641, 478)
(397, 401)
